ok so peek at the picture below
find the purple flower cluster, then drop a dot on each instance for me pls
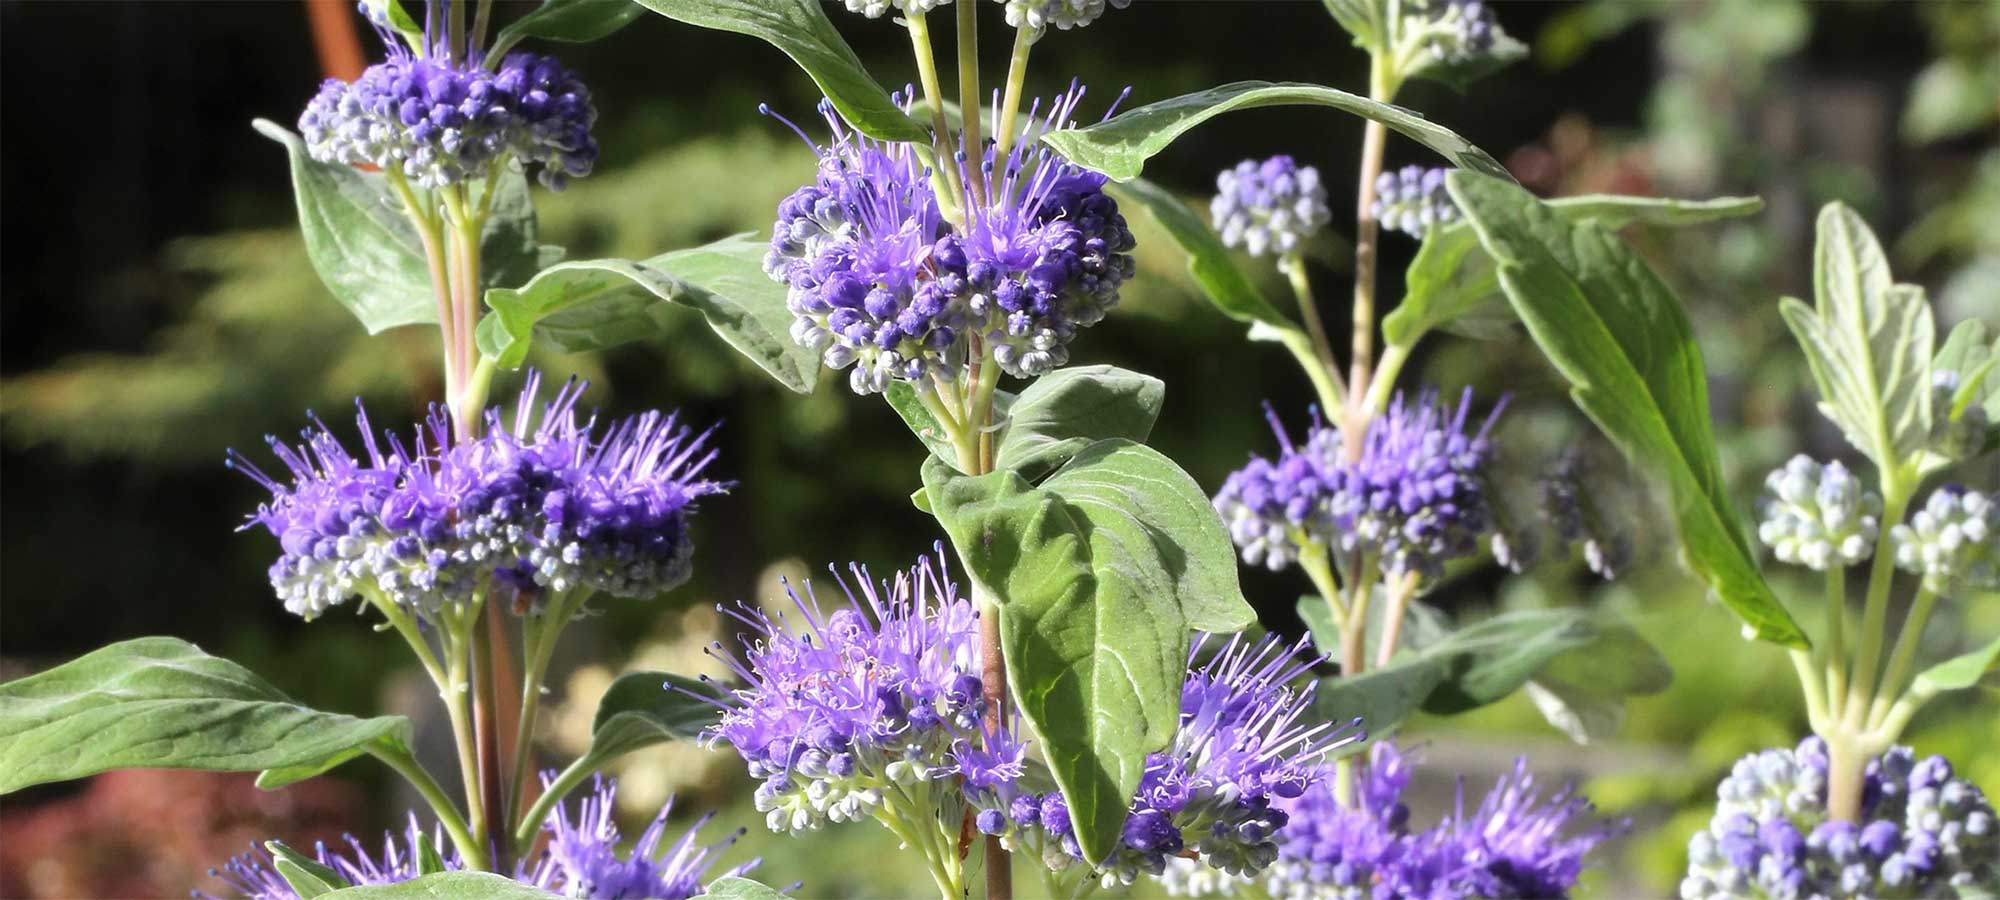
(443, 117)
(843, 706)
(426, 524)
(1517, 843)
(1415, 497)
(1269, 207)
(1413, 200)
(1246, 743)
(879, 280)
(582, 859)
(254, 875)
(1923, 831)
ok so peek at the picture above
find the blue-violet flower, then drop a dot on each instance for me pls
(1271, 206)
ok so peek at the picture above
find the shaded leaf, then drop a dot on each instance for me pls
(574, 21)
(800, 28)
(161, 703)
(1361, 18)
(592, 304)
(1973, 352)
(1120, 146)
(1621, 339)
(1062, 412)
(307, 877)
(736, 887)
(902, 397)
(641, 709)
(1225, 285)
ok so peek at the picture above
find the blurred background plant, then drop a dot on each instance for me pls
(158, 307)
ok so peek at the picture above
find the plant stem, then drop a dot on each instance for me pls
(1861, 688)
(430, 234)
(927, 75)
(458, 649)
(1294, 267)
(969, 103)
(1815, 696)
(1845, 765)
(566, 781)
(1381, 87)
(1010, 100)
(1327, 385)
(1384, 383)
(1313, 560)
(993, 664)
(1836, 626)
(538, 643)
(1905, 653)
(440, 802)
(1400, 593)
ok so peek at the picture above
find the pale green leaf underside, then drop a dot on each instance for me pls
(1620, 337)
(162, 703)
(1059, 414)
(585, 305)
(1959, 672)
(641, 709)
(1120, 146)
(734, 887)
(447, 886)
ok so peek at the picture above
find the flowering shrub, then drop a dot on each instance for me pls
(1077, 680)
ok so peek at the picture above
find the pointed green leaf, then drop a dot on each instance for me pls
(1452, 283)
(1208, 261)
(1361, 18)
(800, 28)
(462, 885)
(591, 304)
(1095, 646)
(1620, 337)
(574, 21)
(1120, 146)
(162, 703)
(1868, 342)
(1062, 412)
(1973, 352)
(641, 709)
(1959, 672)
(307, 877)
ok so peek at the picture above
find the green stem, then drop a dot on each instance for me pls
(927, 75)
(430, 234)
(441, 804)
(1400, 594)
(1294, 267)
(1010, 99)
(1811, 686)
(479, 21)
(969, 103)
(1846, 765)
(1905, 653)
(1836, 627)
(1384, 384)
(1867, 662)
(538, 644)
(458, 647)
(566, 781)
(1313, 559)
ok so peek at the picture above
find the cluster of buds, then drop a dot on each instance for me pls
(1953, 542)
(1272, 206)
(1819, 516)
(1413, 200)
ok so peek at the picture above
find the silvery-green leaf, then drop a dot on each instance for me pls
(1867, 342)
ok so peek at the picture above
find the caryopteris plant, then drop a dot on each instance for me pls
(1089, 703)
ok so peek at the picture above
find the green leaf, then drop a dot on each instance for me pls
(161, 703)
(902, 397)
(1361, 18)
(1951, 96)
(1062, 412)
(641, 709)
(1582, 691)
(1452, 282)
(1620, 337)
(800, 29)
(428, 860)
(575, 21)
(1502, 51)
(591, 304)
(308, 877)
(1095, 646)
(399, 20)
(1959, 672)
(463, 885)
(1120, 146)
(1973, 352)
(736, 887)
(1868, 342)
(369, 255)
(1209, 262)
